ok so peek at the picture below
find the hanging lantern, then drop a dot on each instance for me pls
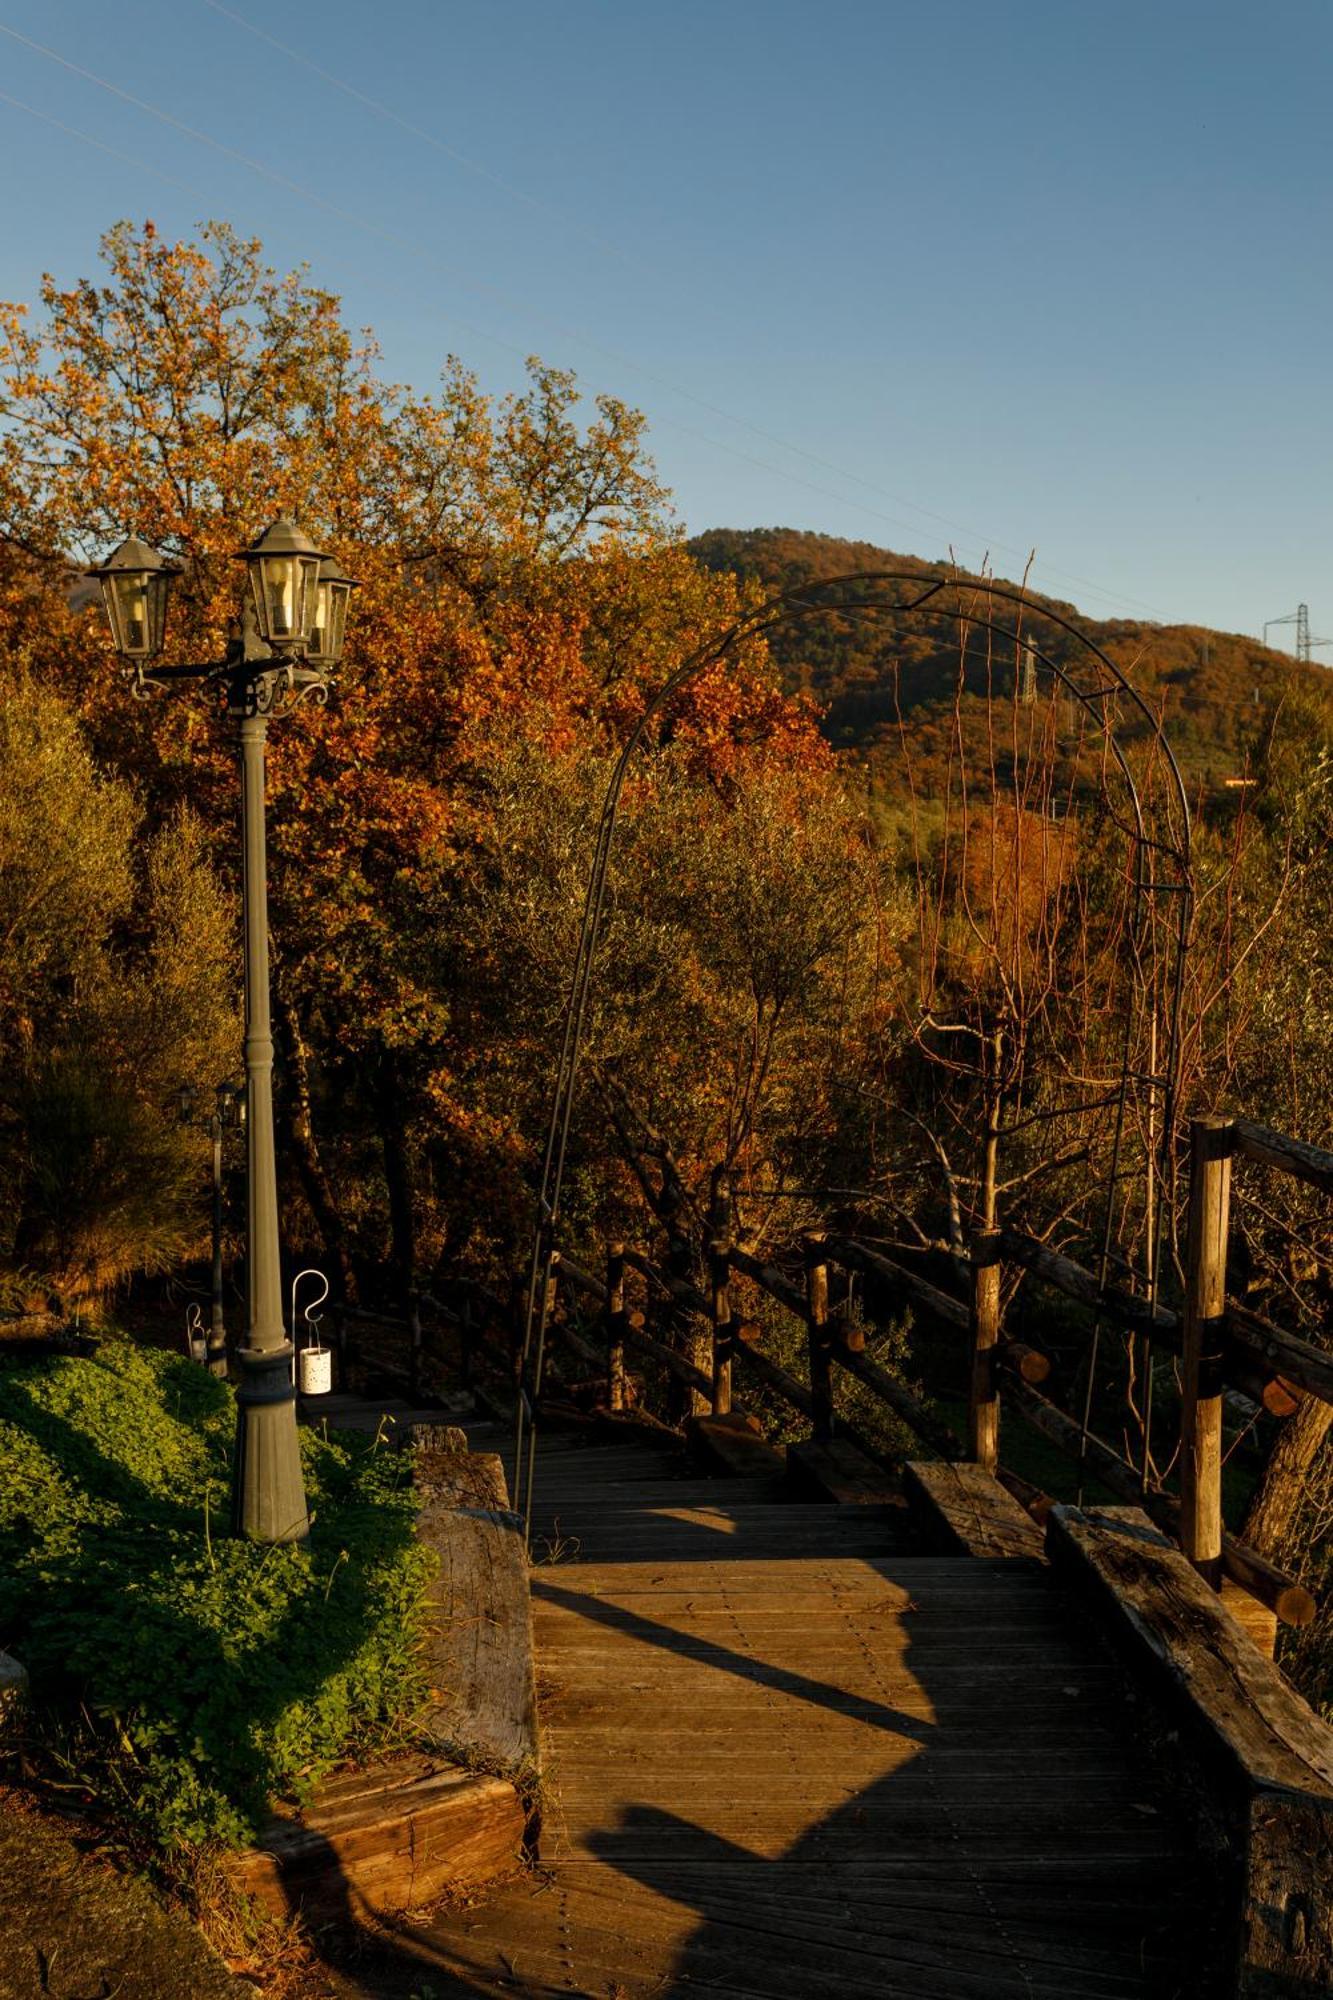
(284, 573)
(329, 624)
(135, 582)
(231, 1103)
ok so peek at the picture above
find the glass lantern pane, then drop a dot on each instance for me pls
(128, 604)
(338, 620)
(158, 587)
(281, 592)
(307, 585)
(320, 624)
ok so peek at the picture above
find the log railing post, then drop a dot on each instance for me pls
(983, 1402)
(416, 1340)
(719, 1270)
(693, 1340)
(467, 1335)
(615, 1326)
(1212, 1141)
(514, 1326)
(818, 1336)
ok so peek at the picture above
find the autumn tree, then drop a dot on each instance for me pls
(116, 980)
(517, 567)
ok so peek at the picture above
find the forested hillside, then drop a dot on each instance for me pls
(1211, 688)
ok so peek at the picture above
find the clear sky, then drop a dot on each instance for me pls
(993, 274)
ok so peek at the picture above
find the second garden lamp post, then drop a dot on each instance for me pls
(292, 627)
(228, 1112)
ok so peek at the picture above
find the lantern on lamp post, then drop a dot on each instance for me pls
(135, 583)
(292, 629)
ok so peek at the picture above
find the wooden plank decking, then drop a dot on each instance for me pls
(787, 1756)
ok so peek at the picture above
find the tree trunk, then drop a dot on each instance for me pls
(392, 1110)
(299, 1138)
(1280, 1490)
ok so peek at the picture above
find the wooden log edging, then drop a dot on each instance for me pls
(458, 1812)
(963, 1510)
(1267, 1759)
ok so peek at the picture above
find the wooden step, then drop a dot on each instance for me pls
(385, 1839)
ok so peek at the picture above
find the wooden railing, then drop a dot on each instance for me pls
(698, 1335)
(1219, 1346)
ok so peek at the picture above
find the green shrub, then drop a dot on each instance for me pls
(189, 1676)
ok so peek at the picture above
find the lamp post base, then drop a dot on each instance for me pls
(268, 1493)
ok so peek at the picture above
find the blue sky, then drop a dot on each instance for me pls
(989, 276)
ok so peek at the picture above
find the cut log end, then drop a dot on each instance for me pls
(1295, 1606)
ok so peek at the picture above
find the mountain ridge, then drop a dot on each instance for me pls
(1209, 686)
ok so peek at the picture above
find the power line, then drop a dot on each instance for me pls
(1305, 645)
(480, 333)
(414, 247)
(813, 458)
(115, 152)
(393, 117)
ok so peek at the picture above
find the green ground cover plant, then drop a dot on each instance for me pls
(182, 1677)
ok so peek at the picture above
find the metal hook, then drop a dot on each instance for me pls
(196, 1345)
(311, 1317)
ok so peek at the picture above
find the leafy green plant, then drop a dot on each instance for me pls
(187, 1677)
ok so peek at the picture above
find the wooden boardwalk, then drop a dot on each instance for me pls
(787, 1756)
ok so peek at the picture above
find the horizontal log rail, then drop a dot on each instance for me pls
(1065, 1275)
(785, 1385)
(1016, 1359)
(769, 1279)
(683, 1369)
(857, 1257)
(900, 1399)
(779, 1379)
(1221, 1348)
(581, 1279)
(400, 1321)
(1014, 1356)
(680, 1291)
(689, 1298)
(1272, 1349)
(1274, 1587)
(1274, 1360)
(1310, 1164)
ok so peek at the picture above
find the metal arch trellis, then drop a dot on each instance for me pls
(1162, 871)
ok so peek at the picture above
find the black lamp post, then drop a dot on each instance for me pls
(292, 627)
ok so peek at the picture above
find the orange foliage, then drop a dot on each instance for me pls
(515, 565)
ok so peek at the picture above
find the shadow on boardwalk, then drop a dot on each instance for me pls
(755, 1795)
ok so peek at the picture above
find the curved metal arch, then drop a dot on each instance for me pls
(795, 606)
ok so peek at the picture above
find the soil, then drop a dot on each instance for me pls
(72, 1927)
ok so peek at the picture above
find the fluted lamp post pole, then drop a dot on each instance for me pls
(292, 628)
